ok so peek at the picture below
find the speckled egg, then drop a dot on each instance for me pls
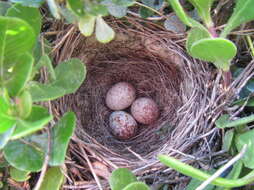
(120, 96)
(123, 125)
(145, 110)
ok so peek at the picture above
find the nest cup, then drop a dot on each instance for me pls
(153, 61)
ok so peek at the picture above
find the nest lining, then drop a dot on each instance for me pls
(189, 95)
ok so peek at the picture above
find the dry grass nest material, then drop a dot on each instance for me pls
(190, 98)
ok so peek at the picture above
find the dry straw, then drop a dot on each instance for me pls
(189, 94)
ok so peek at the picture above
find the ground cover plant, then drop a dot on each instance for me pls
(31, 135)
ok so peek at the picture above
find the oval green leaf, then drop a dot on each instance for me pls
(104, 33)
(69, 76)
(243, 12)
(114, 9)
(7, 122)
(23, 156)
(120, 178)
(38, 118)
(54, 9)
(77, 6)
(16, 38)
(19, 175)
(24, 104)
(29, 3)
(194, 35)
(20, 74)
(216, 50)
(29, 14)
(86, 25)
(137, 186)
(5, 137)
(53, 179)
(240, 141)
(60, 136)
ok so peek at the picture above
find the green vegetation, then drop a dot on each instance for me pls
(29, 137)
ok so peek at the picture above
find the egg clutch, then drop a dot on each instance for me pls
(143, 110)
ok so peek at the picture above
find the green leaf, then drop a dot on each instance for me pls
(69, 76)
(195, 35)
(29, 14)
(145, 12)
(86, 25)
(172, 23)
(29, 3)
(45, 61)
(115, 10)
(5, 101)
(23, 156)
(45, 92)
(16, 38)
(96, 9)
(77, 6)
(240, 141)
(54, 9)
(39, 51)
(4, 6)
(104, 33)
(24, 104)
(228, 140)
(137, 186)
(5, 137)
(120, 178)
(38, 118)
(68, 15)
(204, 8)
(243, 13)
(61, 135)
(6, 122)
(209, 49)
(224, 122)
(20, 74)
(125, 3)
(53, 179)
(19, 175)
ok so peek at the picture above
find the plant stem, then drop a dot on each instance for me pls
(200, 175)
(213, 32)
(250, 43)
(222, 169)
(227, 77)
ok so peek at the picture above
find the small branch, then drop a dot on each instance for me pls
(91, 168)
(150, 8)
(222, 169)
(250, 43)
(45, 164)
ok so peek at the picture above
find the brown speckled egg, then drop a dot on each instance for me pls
(145, 110)
(120, 96)
(122, 124)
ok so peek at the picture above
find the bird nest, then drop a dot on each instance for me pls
(190, 96)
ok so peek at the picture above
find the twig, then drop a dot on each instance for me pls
(222, 169)
(150, 8)
(45, 164)
(47, 156)
(92, 170)
(250, 43)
